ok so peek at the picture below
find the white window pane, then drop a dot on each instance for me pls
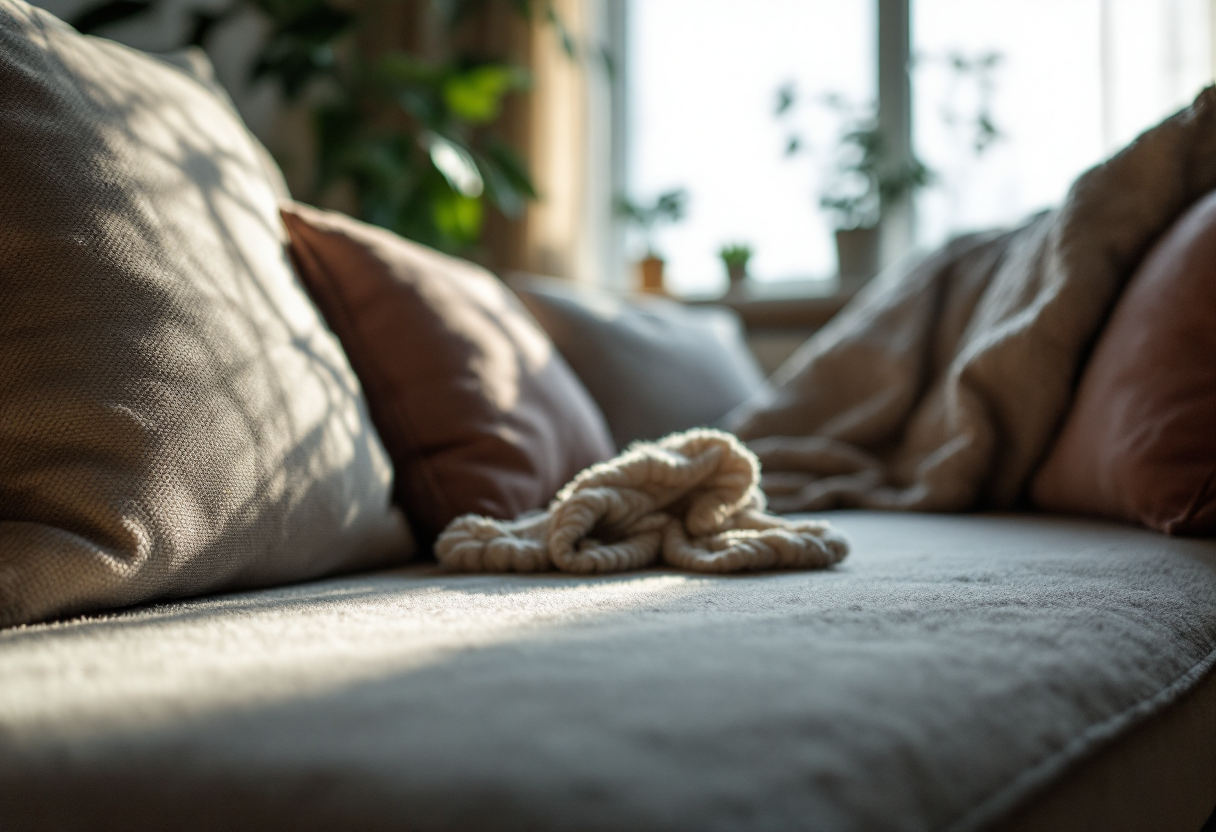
(1159, 57)
(1077, 80)
(704, 76)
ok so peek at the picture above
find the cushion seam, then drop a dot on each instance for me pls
(1009, 797)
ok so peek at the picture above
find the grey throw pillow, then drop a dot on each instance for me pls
(175, 417)
(653, 365)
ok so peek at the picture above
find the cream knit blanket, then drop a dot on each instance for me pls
(691, 498)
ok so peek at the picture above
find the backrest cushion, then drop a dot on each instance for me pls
(174, 416)
(477, 409)
(1140, 441)
(654, 366)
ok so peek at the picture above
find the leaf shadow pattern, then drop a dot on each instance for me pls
(176, 416)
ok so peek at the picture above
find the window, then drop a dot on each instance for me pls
(1074, 81)
(703, 80)
(1065, 82)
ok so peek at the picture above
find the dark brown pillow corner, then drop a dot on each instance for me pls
(478, 411)
(1140, 441)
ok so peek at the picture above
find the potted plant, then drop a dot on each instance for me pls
(412, 136)
(667, 207)
(864, 181)
(862, 178)
(734, 257)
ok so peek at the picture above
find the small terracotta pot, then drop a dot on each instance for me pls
(651, 270)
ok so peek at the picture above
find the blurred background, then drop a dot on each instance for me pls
(575, 137)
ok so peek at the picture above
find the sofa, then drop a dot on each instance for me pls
(956, 672)
(217, 500)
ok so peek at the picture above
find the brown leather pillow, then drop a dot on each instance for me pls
(1140, 442)
(477, 409)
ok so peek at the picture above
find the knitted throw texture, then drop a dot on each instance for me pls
(692, 499)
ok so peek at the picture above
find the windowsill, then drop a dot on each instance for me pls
(802, 304)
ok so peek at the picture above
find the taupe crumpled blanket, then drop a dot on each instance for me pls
(690, 498)
(941, 386)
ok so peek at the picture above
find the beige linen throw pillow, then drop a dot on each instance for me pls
(174, 416)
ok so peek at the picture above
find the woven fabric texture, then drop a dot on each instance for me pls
(174, 416)
(943, 675)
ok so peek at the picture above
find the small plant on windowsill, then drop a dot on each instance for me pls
(668, 207)
(735, 257)
(862, 177)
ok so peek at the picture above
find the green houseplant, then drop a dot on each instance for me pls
(862, 177)
(411, 137)
(865, 180)
(667, 207)
(735, 257)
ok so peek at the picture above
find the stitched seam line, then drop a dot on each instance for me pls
(1009, 797)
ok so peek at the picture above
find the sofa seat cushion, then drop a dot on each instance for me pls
(950, 672)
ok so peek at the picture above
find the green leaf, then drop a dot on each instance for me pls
(301, 43)
(457, 217)
(564, 37)
(106, 14)
(511, 167)
(508, 186)
(402, 69)
(433, 191)
(456, 164)
(501, 194)
(671, 205)
(735, 254)
(785, 97)
(475, 96)
(334, 131)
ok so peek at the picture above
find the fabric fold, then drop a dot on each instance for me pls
(942, 385)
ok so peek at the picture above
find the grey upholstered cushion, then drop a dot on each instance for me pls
(652, 365)
(174, 416)
(944, 675)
